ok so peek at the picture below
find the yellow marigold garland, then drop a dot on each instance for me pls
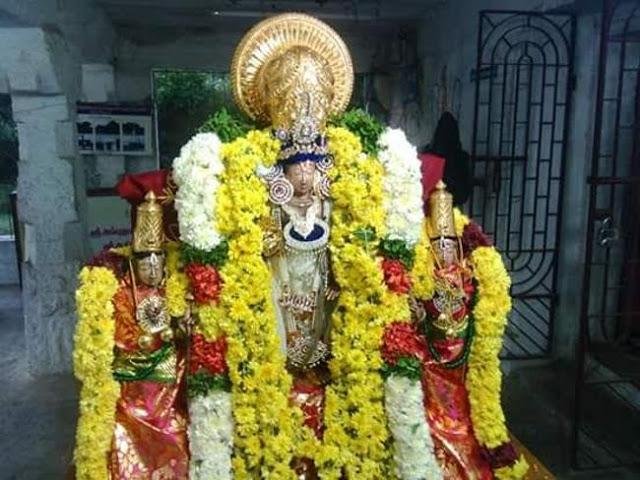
(356, 435)
(422, 284)
(177, 285)
(460, 220)
(93, 357)
(209, 321)
(265, 425)
(513, 472)
(484, 378)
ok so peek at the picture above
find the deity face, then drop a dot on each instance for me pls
(149, 269)
(301, 177)
(447, 250)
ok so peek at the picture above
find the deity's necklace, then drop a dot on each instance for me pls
(303, 222)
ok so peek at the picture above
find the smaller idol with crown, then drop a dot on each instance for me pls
(138, 420)
(459, 327)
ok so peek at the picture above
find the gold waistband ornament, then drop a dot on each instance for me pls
(292, 71)
(148, 234)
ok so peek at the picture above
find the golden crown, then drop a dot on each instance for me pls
(441, 222)
(148, 234)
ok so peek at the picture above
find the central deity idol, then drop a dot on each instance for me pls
(294, 86)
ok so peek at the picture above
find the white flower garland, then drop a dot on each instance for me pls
(196, 173)
(402, 186)
(413, 447)
(211, 436)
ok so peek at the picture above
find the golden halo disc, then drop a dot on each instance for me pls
(276, 34)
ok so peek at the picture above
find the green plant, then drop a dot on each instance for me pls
(182, 90)
(360, 123)
(408, 367)
(397, 250)
(216, 257)
(226, 125)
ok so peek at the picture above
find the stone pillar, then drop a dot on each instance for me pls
(40, 71)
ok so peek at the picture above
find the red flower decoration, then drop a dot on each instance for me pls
(209, 356)
(473, 237)
(401, 339)
(206, 283)
(310, 399)
(108, 259)
(395, 276)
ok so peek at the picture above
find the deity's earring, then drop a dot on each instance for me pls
(280, 190)
(325, 163)
(322, 186)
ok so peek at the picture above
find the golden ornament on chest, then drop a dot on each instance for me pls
(152, 314)
(448, 300)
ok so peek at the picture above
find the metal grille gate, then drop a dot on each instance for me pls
(523, 82)
(607, 410)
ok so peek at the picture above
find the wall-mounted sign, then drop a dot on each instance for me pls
(114, 129)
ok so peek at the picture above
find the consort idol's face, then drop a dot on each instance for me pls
(301, 177)
(150, 269)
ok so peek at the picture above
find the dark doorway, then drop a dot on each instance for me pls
(607, 410)
(8, 163)
(9, 271)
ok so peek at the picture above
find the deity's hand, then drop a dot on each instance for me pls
(186, 323)
(331, 294)
(418, 312)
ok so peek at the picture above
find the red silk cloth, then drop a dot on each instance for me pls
(150, 435)
(308, 394)
(432, 169)
(134, 187)
(446, 404)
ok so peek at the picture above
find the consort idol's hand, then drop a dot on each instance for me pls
(418, 312)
